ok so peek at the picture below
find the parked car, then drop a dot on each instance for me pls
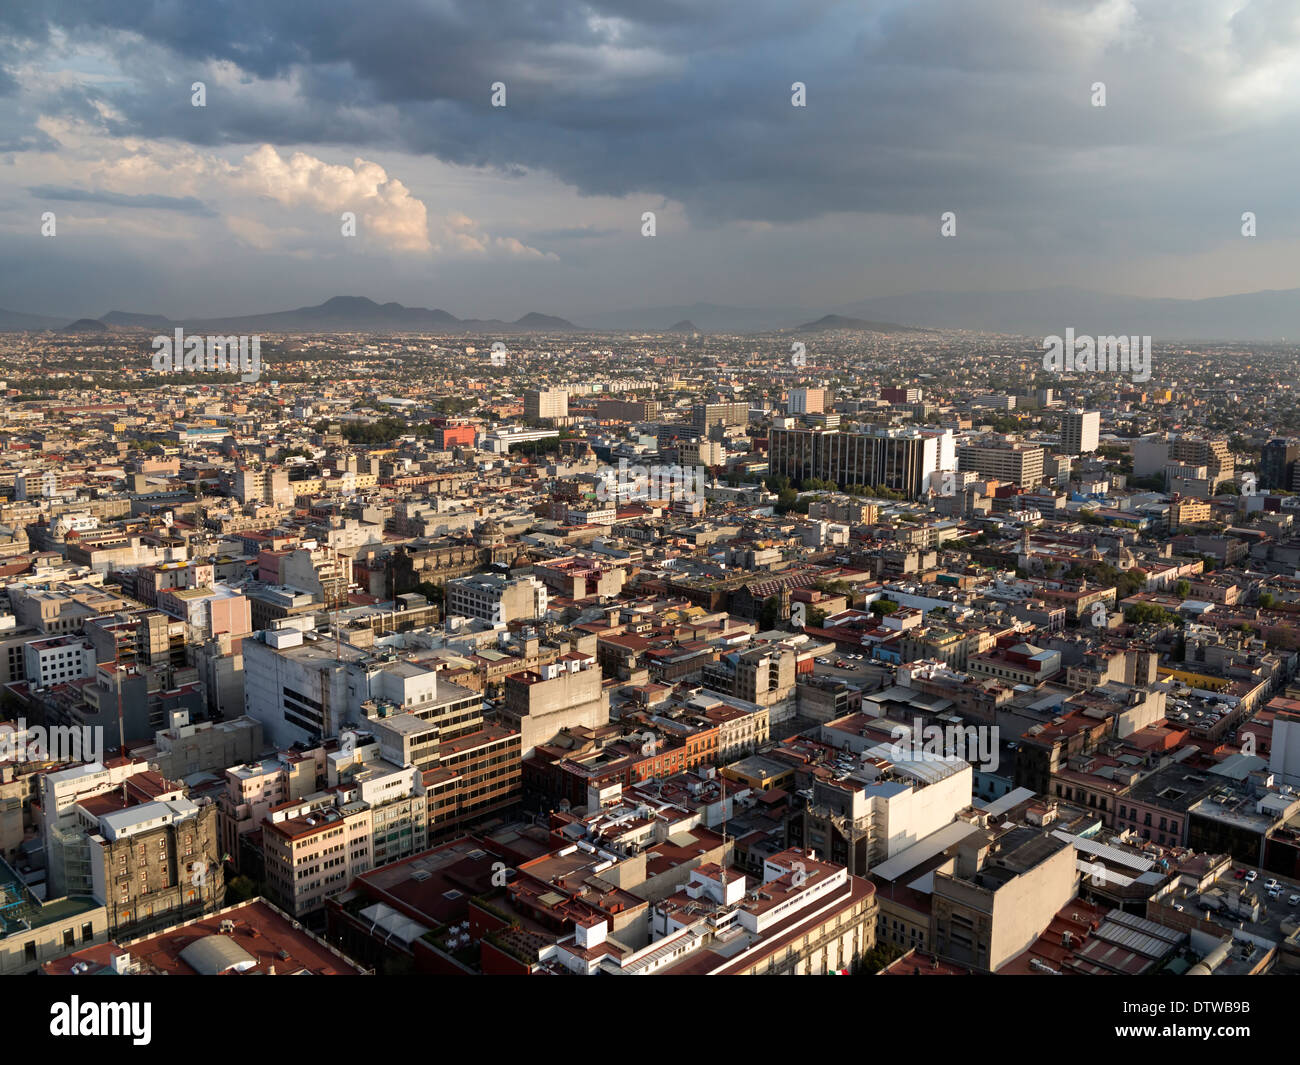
(1251, 876)
(1271, 884)
(1294, 900)
(1240, 874)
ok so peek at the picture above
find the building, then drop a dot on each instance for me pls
(902, 460)
(253, 938)
(564, 694)
(1003, 890)
(470, 768)
(496, 598)
(705, 416)
(58, 660)
(1019, 464)
(806, 916)
(35, 931)
(1277, 466)
(542, 404)
(806, 401)
(374, 813)
(1080, 431)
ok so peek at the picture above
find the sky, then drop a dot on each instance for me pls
(615, 108)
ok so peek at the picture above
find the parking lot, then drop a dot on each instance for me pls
(867, 675)
(1274, 912)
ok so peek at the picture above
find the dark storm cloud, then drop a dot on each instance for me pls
(149, 201)
(915, 107)
(912, 107)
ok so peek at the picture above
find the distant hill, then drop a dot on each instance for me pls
(357, 314)
(544, 323)
(127, 320)
(684, 326)
(18, 322)
(87, 325)
(839, 321)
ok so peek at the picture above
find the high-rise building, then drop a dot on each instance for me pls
(807, 401)
(706, 415)
(1277, 464)
(1080, 431)
(903, 460)
(1020, 464)
(541, 404)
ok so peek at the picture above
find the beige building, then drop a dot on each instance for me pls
(496, 598)
(33, 932)
(1021, 464)
(541, 404)
(1000, 896)
(566, 693)
(374, 814)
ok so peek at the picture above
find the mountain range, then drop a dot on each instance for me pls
(1251, 316)
(342, 314)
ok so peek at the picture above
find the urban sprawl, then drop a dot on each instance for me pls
(840, 651)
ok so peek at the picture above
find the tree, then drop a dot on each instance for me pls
(883, 607)
(1266, 600)
(240, 889)
(1183, 589)
(1148, 614)
(879, 956)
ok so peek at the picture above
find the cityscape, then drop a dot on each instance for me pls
(378, 618)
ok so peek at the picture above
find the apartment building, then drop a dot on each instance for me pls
(58, 660)
(375, 813)
(470, 767)
(1004, 890)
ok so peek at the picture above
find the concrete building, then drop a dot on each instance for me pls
(1080, 431)
(542, 404)
(1001, 894)
(496, 598)
(374, 814)
(806, 401)
(566, 693)
(910, 461)
(1020, 464)
(58, 660)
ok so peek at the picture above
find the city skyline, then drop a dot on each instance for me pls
(909, 112)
